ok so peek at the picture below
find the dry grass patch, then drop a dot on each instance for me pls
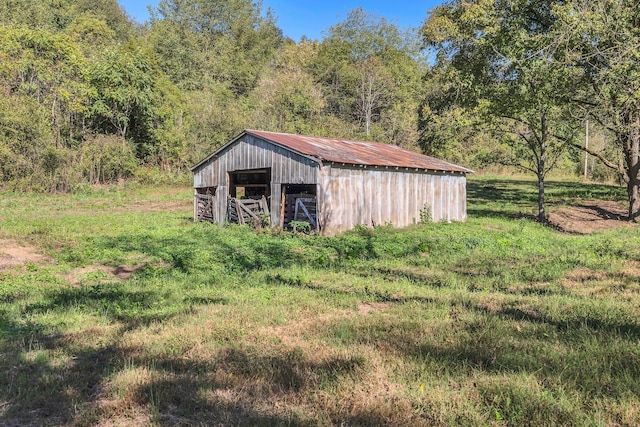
(624, 413)
(296, 333)
(447, 403)
(492, 304)
(183, 205)
(631, 270)
(366, 308)
(270, 374)
(621, 284)
(584, 275)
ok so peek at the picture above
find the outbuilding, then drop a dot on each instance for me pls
(330, 184)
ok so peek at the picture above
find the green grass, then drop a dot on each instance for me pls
(495, 321)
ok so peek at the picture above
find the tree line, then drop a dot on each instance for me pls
(89, 96)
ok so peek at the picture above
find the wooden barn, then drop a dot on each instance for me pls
(331, 184)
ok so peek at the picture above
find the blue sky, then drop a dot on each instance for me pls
(313, 17)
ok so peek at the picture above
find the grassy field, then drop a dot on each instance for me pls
(116, 309)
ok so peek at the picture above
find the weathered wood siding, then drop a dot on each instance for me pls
(349, 196)
(248, 153)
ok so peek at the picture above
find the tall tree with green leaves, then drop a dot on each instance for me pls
(203, 42)
(56, 15)
(601, 40)
(45, 94)
(504, 57)
(370, 73)
(51, 70)
(287, 98)
(135, 101)
(123, 78)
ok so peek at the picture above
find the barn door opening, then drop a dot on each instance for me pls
(250, 184)
(299, 205)
(250, 196)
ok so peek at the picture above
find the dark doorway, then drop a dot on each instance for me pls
(250, 184)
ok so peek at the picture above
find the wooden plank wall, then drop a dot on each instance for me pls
(255, 153)
(350, 196)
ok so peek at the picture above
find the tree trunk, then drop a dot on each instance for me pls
(632, 177)
(542, 215)
(633, 192)
(631, 150)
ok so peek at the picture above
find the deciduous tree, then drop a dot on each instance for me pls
(601, 39)
(287, 98)
(504, 57)
(370, 75)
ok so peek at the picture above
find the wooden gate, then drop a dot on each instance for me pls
(300, 207)
(206, 208)
(248, 211)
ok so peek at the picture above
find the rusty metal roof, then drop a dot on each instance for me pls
(357, 152)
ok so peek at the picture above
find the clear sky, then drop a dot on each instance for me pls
(312, 18)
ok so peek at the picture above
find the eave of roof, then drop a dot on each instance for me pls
(349, 152)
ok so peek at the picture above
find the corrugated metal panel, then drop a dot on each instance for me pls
(352, 196)
(357, 152)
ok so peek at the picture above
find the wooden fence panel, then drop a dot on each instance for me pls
(205, 208)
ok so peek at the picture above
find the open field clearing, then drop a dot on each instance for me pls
(116, 309)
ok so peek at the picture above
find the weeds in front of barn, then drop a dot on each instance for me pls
(498, 320)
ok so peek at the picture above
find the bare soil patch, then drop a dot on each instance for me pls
(590, 216)
(14, 254)
(122, 272)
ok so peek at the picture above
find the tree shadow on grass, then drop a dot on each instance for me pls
(488, 198)
(39, 392)
(585, 355)
(626, 330)
(571, 360)
(582, 191)
(239, 385)
(367, 294)
(513, 199)
(117, 302)
(603, 213)
(585, 218)
(245, 386)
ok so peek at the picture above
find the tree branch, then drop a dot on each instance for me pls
(599, 156)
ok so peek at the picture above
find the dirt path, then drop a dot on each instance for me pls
(590, 216)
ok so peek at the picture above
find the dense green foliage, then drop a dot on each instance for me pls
(77, 82)
(140, 316)
(88, 97)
